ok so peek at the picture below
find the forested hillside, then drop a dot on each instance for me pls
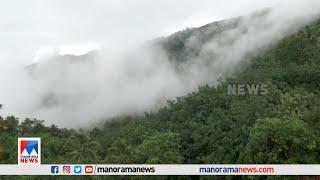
(206, 126)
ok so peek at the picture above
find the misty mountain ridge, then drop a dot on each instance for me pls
(179, 48)
(102, 85)
(206, 126)
(177, 42)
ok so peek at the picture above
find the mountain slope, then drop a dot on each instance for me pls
(209, 125)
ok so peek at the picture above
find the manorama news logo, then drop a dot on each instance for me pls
(29, 151)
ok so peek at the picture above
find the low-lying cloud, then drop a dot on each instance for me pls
(76, 91)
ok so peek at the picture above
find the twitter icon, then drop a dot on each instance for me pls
(77, 169)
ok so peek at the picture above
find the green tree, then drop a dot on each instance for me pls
(274, 140)
(159, 148)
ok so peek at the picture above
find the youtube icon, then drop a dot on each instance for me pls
(88, 169)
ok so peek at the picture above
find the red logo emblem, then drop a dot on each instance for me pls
(88, 169)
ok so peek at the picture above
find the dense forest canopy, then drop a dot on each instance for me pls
(208, 125)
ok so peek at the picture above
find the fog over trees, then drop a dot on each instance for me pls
(168, 102)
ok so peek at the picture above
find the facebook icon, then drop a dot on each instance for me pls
(54, 169)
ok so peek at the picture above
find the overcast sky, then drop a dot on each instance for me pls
(28, 28)
(118, 82)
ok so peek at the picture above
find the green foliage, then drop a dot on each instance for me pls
(206, 126)
(280, 141)
(159, 148)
